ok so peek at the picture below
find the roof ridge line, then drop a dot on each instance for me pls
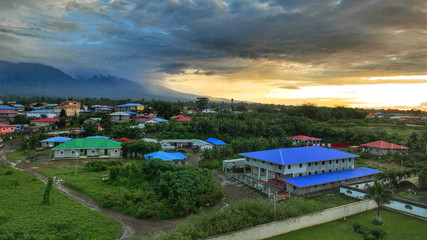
(281, 157)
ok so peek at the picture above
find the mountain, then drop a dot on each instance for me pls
(33, 79)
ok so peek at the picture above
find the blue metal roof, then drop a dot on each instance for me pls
(57, 139)
(165, 156)
(105, 109)
(316, 179)
(127, 105)
(130, 112)
(87, 111)
(215, 141)
(5, 107)
(98, 137)
(42, 111)
(160, 120)
(285, 156)
(18, 105)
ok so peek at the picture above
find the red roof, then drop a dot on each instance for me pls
(146, 117)
(47, 120)
(383, 145)
(176, 117)
(76, 128)
(7, 112)
(302, 137)
(125, 139)
(6, 125)
(184, 119)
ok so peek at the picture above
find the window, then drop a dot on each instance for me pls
(343, 160)
(93, 151)
(309, 164)
(323, 162)
(323, 171)
(295, 188)
(337, 161)
(116, 151)
(349, 160)
(263, 162)
(262, 170)
(289, 166)
(330, 161)
(330, 170)
(315, 172)
(315, 185)
(73, 152)
(280, 167)
(336, 169)
(247, 159)
(61, 152)
(271, 164)
(300, 165)
(315, 163)
(343, 168)
(300, 174)
(309, 173)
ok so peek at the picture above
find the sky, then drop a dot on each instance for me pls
(364, 53)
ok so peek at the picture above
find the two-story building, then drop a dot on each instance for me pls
(8, 114)
(42, 113)
(129, 107)
(70, 110)
(6, 129)
(278, 165)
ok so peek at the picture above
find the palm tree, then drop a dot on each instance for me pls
(381, 194)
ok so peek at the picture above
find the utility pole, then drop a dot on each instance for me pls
(77, 161)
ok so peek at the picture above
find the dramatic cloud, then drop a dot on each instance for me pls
(264, 44)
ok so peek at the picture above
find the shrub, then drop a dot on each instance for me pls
(101, 165)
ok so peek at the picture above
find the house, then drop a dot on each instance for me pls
(129, 107)
(103, 109)
(50, 106)
(124, 139)
(131, 114)
(20, 107)
(159, 120)
(382, 148)
(54, 141)
(305, 139)
(70, 110)
(215, 142)
(175, 157)
(5, 107)
(181, 118)
(96, 122)
(86, 113)
(196, 144)
(6, 129)
(120, 117)
(42, 113)
(142, 119)
(46, 122)
(88, 148)
(28, 130)
(276, 166)
(8, 114)
(66, 103)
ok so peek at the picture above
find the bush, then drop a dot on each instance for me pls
(101, 165)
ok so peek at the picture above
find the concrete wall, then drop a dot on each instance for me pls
(402, 205)
(72, 153)
(285, 226)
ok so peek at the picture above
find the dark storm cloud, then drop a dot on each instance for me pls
(172, 36)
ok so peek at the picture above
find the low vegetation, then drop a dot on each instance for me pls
(156, 189)
(397, 226)
(23, 216)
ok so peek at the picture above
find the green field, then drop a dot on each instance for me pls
(22, 154)
(397, 226)
(23, 216)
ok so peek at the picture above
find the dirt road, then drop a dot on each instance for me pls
(131, 227)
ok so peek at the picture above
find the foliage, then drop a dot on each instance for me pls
(124, 130)
(101, 165)
(202, 102)
(89, 130)
(23, 217)
(139, 148)
(369, 233)
(380, 193)
(242, 214)
(33, 141)
(422, 177)
(165, 109)
(46, 195)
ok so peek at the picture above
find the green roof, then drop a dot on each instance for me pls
(87, 143)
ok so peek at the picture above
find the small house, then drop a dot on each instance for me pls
(120, 117)
(42, 113)
(54, 141)
(382, 148)
(88, 148)
(305, 139)
(6, 129)
(175, 157)
(215, 142)
(8, 114)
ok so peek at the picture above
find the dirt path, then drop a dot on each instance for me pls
(131, 227)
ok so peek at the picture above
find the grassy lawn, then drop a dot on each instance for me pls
(18, 155)
(333, 199)
(397, 226)
(23, 216)
(412, 197)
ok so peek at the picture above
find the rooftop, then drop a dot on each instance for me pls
(165, 156)
(215, 141)
(7, 112)
(285, 156)
(88, 143)
(302, 137)
(43, 111)
(47, 120)
(316, 179)
(57, 139)
(383, 145)
(5, 107)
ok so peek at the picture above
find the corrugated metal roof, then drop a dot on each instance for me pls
(160, 120)
(165, 156)
(384, 145)
(98, 137)
(7, 112)
(43, 111)
(5, 107)
(215, 141)
(57, 139)
(316, 179)
(88, 143)
(302, 137)
(285, 156)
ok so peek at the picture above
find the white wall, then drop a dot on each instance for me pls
(292, 224)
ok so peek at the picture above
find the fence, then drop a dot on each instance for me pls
(292, 224)
(401, 205)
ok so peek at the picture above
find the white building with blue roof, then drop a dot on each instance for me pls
(41, 113)
(278, 166)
